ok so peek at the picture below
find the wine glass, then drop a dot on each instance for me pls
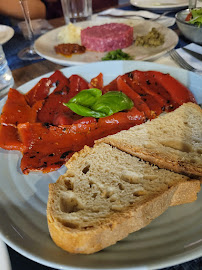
(28, 53)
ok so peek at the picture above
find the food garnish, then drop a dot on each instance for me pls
(153, 39)
(91, 102)
(195, 17)
(117, 55)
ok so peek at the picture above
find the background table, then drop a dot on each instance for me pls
(24, 71)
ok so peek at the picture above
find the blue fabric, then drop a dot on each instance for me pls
(13, 47)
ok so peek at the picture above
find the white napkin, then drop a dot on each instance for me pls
(190, 59)
(166, 21)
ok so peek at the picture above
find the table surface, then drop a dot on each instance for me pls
(26, 71)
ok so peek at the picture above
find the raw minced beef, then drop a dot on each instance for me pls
(107, 37)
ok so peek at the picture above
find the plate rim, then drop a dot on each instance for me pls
(10, 33)
(163, 7)
(192, 254)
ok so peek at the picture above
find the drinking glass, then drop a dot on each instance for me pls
(76, 10)
(6, 78)
(192, 4)
(28, 53)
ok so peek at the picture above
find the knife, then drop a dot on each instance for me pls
(194, 54)
(125, 16)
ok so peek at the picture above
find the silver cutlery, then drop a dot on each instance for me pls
(178, 59)
(134, 15)
(194, 54)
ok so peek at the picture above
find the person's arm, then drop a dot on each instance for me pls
(13, 9)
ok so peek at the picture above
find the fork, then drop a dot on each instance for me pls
(178, 59)
(131, 15)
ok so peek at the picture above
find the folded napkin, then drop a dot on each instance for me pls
(166, 21)
(190, 59)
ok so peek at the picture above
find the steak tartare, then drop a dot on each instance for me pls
(107, 37)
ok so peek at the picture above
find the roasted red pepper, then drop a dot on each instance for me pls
(16, 110)
(138, 102)
(97, 82)
(9, 139)
(54, 111)
(178, 92)
(48, 133)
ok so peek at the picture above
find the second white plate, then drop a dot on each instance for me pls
(6, 33)
(160, 4)
(45, 44)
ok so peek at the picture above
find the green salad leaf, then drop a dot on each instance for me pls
(196, 17)
(117, 55)
(91, 102)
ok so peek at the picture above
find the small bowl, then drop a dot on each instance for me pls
(190, 31)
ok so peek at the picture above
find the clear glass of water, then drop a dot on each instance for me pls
(76, 10)
(192, 4)
(6, 78)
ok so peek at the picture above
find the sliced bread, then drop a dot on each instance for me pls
(107, 194)
(172, 141)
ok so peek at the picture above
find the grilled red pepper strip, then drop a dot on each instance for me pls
(39, 92)
(138, 103)
(97, 82)
(120, 121)
(16, 110)
(112, 86)
(77, 84)
(47, 146)
(9, 138)
(155, 104)
(179, 93)
(153, 86)
(53, 111)
(58, 78)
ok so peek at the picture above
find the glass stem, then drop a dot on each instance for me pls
(25, 9)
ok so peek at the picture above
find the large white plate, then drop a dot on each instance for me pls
(44, 45)
(6, 33)
(160, 4)
(174, 237)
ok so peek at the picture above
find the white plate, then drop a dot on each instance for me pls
(44, 45)
(173, 238)
(4, 257)
(160, 4)
(6, 33)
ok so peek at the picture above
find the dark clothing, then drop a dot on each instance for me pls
(54, 9)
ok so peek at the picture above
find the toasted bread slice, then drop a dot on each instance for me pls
(172, 141)
(107, 194)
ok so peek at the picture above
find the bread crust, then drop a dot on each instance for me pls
(95, 239)
(170, 189)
